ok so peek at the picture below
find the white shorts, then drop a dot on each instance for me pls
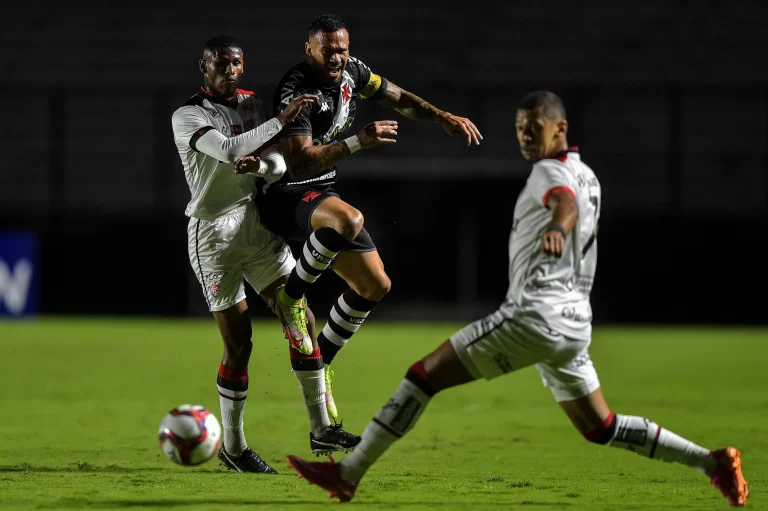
(509, 340)
(231, 247)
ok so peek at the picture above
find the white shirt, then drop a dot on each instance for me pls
(211, 134)
(557, 288)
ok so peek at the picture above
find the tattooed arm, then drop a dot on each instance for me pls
(412, 106)
(306, 160)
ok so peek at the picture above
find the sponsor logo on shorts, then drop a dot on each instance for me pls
(310, 196)
(212, 282)
(572, 314)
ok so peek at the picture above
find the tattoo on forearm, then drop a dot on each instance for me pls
(410, 105)
(316, 159)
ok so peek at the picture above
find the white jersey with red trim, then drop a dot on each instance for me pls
(214, 187)
(555, 288)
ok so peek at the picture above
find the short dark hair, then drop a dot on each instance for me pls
(551, 102)
(221, 41)
(326, 23)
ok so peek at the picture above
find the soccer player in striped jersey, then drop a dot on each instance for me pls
(545, 321)
(303, 207)
(221, 132)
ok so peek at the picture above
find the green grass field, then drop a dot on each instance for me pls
(82, 400)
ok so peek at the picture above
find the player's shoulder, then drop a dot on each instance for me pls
(296, 77)
(357, 62)
(561, 161)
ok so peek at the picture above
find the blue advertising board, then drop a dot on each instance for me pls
(18, 274)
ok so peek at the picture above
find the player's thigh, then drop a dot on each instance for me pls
(499, 343)
(570, 373)
(339, 216)
(266, 258)
(287, 210)
(363, 271)
(214, 262)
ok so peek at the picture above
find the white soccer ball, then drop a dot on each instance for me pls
(190, 435)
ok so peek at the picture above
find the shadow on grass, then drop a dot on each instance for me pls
(88, 467)
(115, 504)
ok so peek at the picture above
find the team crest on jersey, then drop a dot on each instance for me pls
(346, 92)
(212, 111)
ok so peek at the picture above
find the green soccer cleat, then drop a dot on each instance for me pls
(293, 316)
(330, 404)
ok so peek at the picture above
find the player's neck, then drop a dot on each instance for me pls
(210, 92)
(560, 148)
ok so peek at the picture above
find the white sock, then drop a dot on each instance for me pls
(232, 425)
(393, 421)
(313, 389)
(647, 438)
(232, 385)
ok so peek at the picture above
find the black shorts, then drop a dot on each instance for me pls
(287, 212)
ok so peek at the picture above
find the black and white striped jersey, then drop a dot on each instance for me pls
(327, 119)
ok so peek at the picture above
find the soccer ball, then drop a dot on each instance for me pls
(190, 435)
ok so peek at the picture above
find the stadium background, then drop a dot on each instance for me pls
(667, 101)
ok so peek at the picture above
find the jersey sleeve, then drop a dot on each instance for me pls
(189, 124)
(301, 126)
(368, 84)
(548, 177)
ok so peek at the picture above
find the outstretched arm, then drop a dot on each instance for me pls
(306, 160)
(565, 212)
(412, 106)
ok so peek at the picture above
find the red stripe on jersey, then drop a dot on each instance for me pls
(563, 155)
(555, 190)
(245, 92)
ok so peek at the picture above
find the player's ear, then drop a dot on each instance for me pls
(201, 65)
(562, 127)
(307, 50)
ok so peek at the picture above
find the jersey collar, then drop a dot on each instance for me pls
(230, 102)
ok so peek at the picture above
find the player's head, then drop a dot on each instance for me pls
(328, 48)
(541, 125)
(222, 65)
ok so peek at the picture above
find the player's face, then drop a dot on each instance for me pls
(328, 53)
(539, 136)
(222, 70)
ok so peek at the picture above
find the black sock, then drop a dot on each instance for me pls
(347, 315)
(317, 254)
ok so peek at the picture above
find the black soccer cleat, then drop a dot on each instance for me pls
(249, 461)
(334, 438)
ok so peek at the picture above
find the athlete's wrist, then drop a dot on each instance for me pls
(353, 144)
(557, 228)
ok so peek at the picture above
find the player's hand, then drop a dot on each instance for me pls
(378, 132)
(248, 165)
(461, 126)
(553, 243)
(295, 106)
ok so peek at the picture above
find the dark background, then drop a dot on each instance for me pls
(667, 101)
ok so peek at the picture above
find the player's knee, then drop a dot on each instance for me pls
(350, 223)
(418, 375)
(604, 433)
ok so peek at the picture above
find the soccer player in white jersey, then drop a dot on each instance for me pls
(224, 137)
(545, 321)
